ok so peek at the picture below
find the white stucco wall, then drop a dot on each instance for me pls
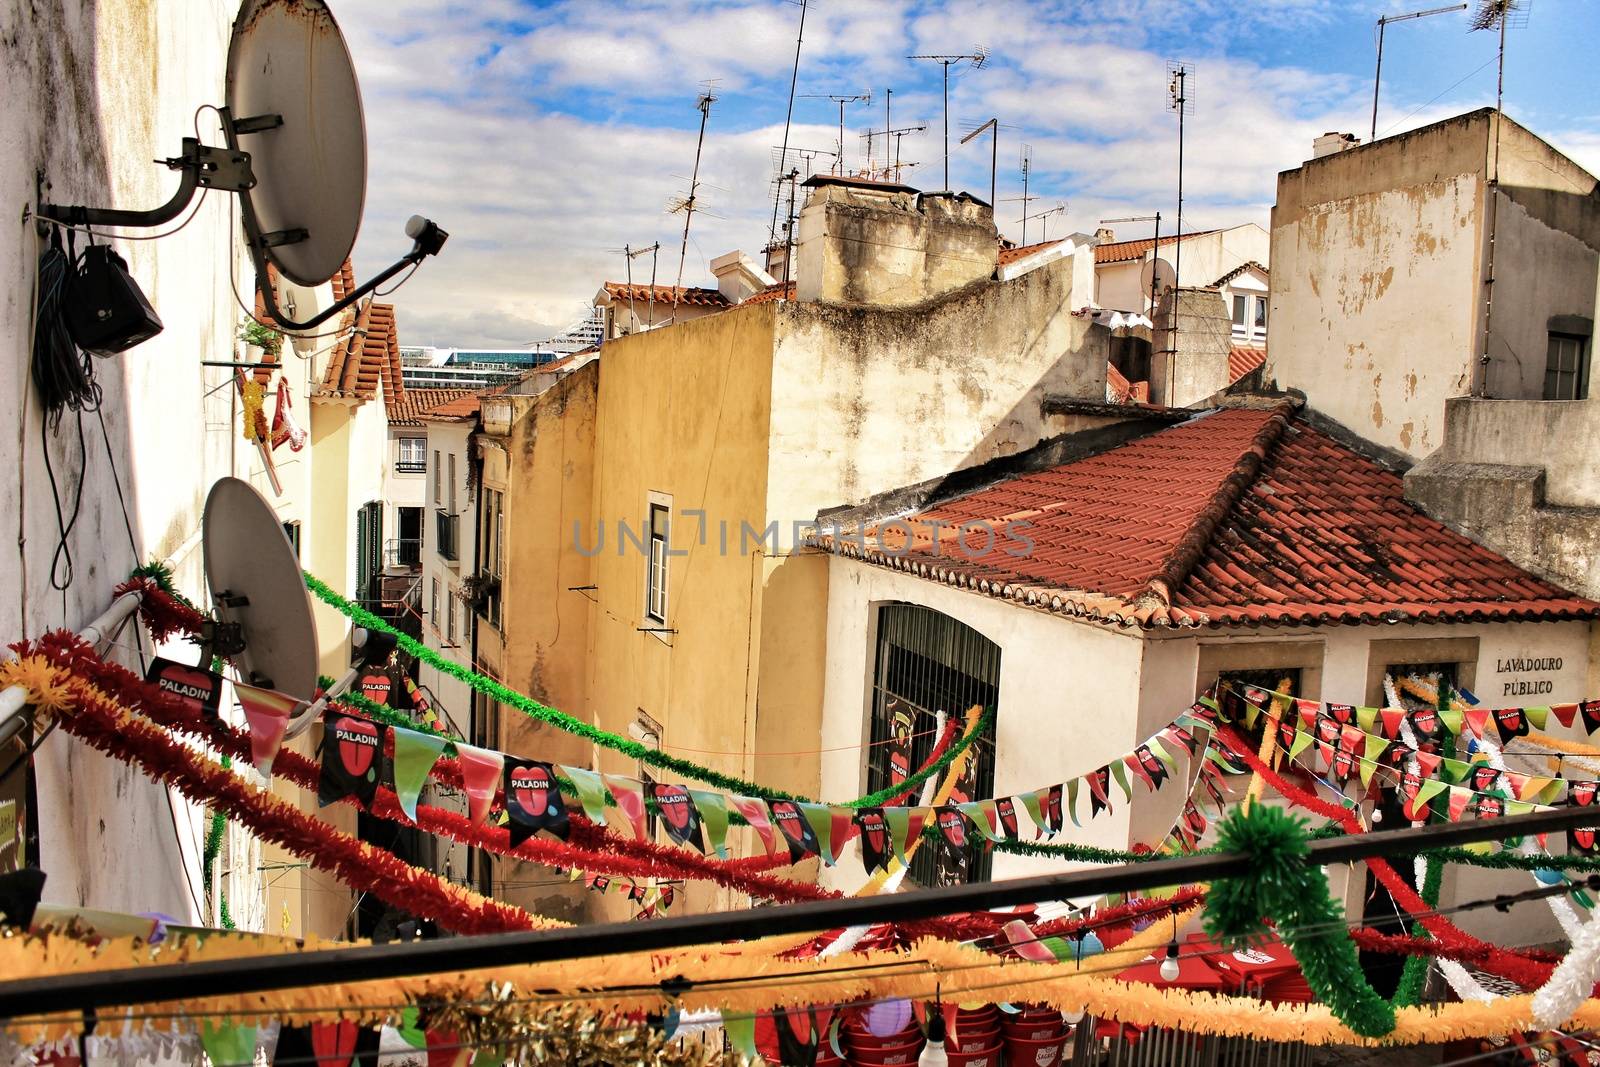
(449, 438)
(1205, 258)
(94, 93)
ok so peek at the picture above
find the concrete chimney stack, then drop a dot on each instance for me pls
(1104, 235)
(1330, 143)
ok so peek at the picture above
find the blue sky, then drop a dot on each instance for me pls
(546, 136)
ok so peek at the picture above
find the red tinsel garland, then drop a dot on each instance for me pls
(1526, 972)
(163, 613)
(96, 720)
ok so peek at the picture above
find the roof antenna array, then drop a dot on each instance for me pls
(864, 97)
(1025, 163)
(994, 126)
(1180, 87)
(297, 159)
(1383, 22)
(687, 204)
(977, 58)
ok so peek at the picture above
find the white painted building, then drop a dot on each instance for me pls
(1206, 257)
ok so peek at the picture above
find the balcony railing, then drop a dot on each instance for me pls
(448, 526)
(402, 552)
(411, 466)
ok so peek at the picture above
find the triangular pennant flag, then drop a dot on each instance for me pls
(533, 800)
(228, 1044)
(267, 713)
(1518, 783)
(844, 829)
(952, 824)
(713, 819)
(1476, 719)
(1510, 722)
(1427, 763)
(741, 1030)
(1459, 799)
(1005, 809)
(1132, 762)
(352, 758)
(1367, 719)
(820, 818)
(1119, 773)
(334, 1044)
(1032, 802)
(1325, 756)
(1369, 763)
(629, 796)
(1417, 808)
(793, 824)
(1390, 720)
(983, 816)
(876, 838)
(678, 813)
(591, 790)
(1310, 712)
(755, 813)
(898, 821)
(1453, 770)
(1099, 788)
(1302, 741)
(1183, 736)
(1072, 802)
(1564, 713)
(480, 777)
(1518, 807)
(415, 753)
(1590, 710)
(1538, 718)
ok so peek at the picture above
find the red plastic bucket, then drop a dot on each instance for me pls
(854, 1038)
(973, 1039)
(1021, 1052)
(985, 1057)
(894, 1056)
(1034, 1030)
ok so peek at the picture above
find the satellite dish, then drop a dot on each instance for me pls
(296, 155)
(289, 61)
(256, 585)
(1159, 269)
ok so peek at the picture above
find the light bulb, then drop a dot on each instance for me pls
(1377, 815)
(1072, 1018)
(1169, 966)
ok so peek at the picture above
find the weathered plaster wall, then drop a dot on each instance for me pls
(1193, 365)
(868, 400)
(448, 438)
(95, 92)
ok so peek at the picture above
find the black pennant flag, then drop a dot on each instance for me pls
(679, 814)
(797, 831)
(533, 800)
(875, 846)
(352, 758)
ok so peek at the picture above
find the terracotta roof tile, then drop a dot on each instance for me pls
(1011, 255)
(1247, 265)
(408, 408)
(1238, 517)
(778, 291)
(1123, 251)
(691, 296)
(1121, 391)
(368, 359)
(1242, 359)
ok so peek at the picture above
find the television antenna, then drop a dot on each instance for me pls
(687, 206)
(1377, 76)
(629, 255)
(897, 134)
(1044, 217)
(1180, 86)
(864, 97)
(977, 59)
(993, 126)
(296, 158)
(1025, 162)
(788, 116)
(1155, 251)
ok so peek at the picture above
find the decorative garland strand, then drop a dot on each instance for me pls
(1409, 993)
(627, 746)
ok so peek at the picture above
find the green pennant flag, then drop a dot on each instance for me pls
(1119, 771)
(1537, 717)
(1302, 741)
(1211, 702)
(713, 819)
(591, 792)
(409, 1030)
(820, 816)
(1430, 788)
(741, 1030)
(1369, 763)
(1163, 755)
(1367, 719)
(1030, 800)
(1453, 771)
(1072, 802)
(415, 753)
(898, 820)
(982, 814)
(1451, 717)
(1251, 714)
(227, 1044)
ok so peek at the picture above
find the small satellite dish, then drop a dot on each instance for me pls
(256, 584)
(1165, 277)
(289, 61)
(296, 155)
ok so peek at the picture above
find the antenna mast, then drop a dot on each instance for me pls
(1027, 167)
(1180, 83)
(993, 125)
(788, 117)
(977, 59)
(704, 104)
(1155, 250)
(1377, 76)
(862, 98)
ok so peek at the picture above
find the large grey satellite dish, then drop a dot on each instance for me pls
(287, 59)
(1165, 277)
(256, 584)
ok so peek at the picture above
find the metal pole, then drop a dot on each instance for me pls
(783, 153)
(1155, 254)
(994, 159)
(1377, 78)
(1177, 254)
(947, 112)
(181, 981)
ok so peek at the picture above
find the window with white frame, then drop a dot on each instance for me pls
(438, 480)
(491, 554)
(412, 455)
(433, 605)
(450, 617)
(450, 483)
(1249, 318)
(1566, 368)
(655, 595)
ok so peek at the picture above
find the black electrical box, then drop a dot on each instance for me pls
(106, 311)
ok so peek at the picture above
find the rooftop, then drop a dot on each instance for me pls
(1244, 516)
(1125, 251)
(689, 295)
(780, 291)
(408, 408)
(367, 359)
(1242, 359)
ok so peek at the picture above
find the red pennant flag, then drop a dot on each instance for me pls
(480, 777)
(844, 828)
(1134, 765)
(267, 711)
(630, 799)
(1427, 763)
(1459, 799)
(1391, 719)
(1309, 710)
(1476, 720)
(1564, 713)
(1324, 756)
(755, 813)
(334, 1044)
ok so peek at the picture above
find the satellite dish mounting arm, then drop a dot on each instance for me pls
(427, 240)
(201, 167)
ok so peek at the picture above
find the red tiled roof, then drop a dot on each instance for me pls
(1247, 265)
(777, 291)
(464, 407)
(691, 296)
(1237, 517)
(1242, 359)
(368, 358)
(1011, 255)
(408, 408)
(1121, 391)
(1123, 251)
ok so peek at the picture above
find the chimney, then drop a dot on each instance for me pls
(738, 277)
(1104, 235)
(883, 244)
(1330, 143)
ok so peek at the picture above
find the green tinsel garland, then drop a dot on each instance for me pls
(161, 574)
(1409, 992)
(628, 747)
(1284, 886)
(213, 849)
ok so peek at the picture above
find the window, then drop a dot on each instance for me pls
(369, 550)
(928, 662)
(1250, 317)
(291, 530)
(1293, 667)
(1261, 313)
(1566, 368)
(1230, 695)
(413, 455)
(433, 605)
(491, 548)
(450, 483)
(655, 592)
(1239, 310)
(450, 617)
(647, 732)
(438, 494)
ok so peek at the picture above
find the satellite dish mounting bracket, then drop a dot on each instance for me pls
(201, 167)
